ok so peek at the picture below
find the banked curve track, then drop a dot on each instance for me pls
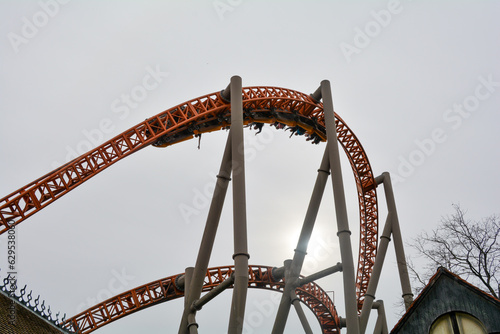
(276, 106)
(165, 289)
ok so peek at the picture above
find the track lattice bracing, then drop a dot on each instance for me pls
(272, 105)
(165, 289)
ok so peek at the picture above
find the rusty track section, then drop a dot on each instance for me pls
(278, 107)
(166, 289)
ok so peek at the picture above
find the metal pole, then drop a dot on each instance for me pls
(194, 288)
(301, 250)
(385, 238)
(188, 275)
(381, 324)
(192, 326)
(285, 302)
(278, 273)
(343, 233)
(398, 242)
(198, 304)
(375, 276)
(300, 312)
(391, 228)
(239, 211)
(226, 93)
(320, 274)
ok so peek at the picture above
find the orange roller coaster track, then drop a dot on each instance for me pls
(166, 289)
(272, 105)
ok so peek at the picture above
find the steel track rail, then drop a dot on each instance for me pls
(273, 105)
(165, 289)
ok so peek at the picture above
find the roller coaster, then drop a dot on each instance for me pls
(311, 116)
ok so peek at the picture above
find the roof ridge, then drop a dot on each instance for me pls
(439, 272)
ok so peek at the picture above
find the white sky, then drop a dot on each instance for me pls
(399, 88)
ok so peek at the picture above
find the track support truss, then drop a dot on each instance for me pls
(233, 108)
(391, 228)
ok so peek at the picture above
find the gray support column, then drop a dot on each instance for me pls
(300, 312)
(188, 275)
(343, 233)
(381, 324)
(239, 210)
(198, 304)
(320, 274)
(391, 228)
(398, 242)
(301, 250)
(192, 326)
(312, 212)
(285, 302)
(385, 238)
(193, 290)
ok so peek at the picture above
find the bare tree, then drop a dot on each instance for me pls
(467, 248)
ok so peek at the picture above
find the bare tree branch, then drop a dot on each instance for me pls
(467, 248)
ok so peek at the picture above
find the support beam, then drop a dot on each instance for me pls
(385, 238)
(226, 93)
(391, 228)
(300, 312)
(278, 273)
(342, 322)
(320, 274)
(381, 324)
(301, 250)
(239, 210)
(285, 302)
(343, 233)
(198, 304)
(192, 326)
(193, 290)
(188, 275)
(316, 96)
(398, 242)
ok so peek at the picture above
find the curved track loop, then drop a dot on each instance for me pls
(163, 290)
(276, 106)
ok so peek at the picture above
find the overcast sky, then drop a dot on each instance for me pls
(417, 81)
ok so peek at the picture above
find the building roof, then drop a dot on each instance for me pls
(25, 321)
(456, 295)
